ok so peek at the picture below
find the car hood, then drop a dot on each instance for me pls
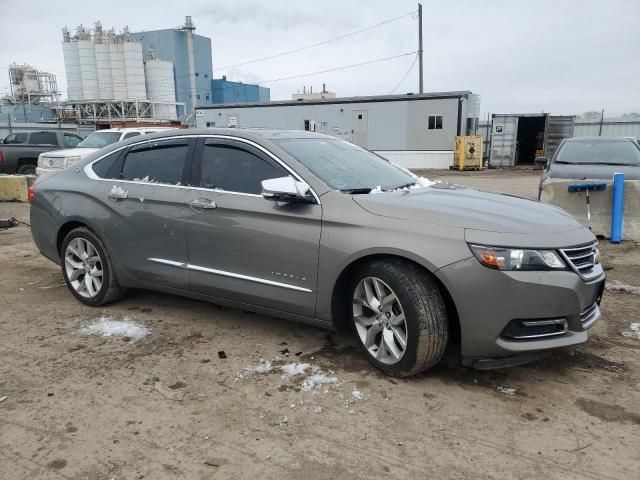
(469, 208)
(596, 172)
(71, 152)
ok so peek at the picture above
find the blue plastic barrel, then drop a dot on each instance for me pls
(617, 207)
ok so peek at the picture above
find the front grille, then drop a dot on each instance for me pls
(590, 316)
(581, 259)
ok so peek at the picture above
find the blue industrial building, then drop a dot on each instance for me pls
(171, 45)
(225, 91)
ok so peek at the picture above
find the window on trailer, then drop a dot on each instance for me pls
(434, 122)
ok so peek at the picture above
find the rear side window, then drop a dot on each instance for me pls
(71, 140)
(16, 138)
(156, 162)
(235, 170)
(102, 167)
(44, 138)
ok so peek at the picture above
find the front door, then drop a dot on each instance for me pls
(241, 246)
(144, 208)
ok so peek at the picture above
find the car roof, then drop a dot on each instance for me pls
(134, 129)
(602, 139)
(248, 133)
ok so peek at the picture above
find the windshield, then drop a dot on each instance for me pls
(346, 167)
(599, 152)
(99, 139)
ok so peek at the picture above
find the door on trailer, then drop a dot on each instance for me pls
(503, 141)
(557, 129)
(360, 127)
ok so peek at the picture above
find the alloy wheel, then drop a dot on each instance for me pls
(83, 266)
(380, 320)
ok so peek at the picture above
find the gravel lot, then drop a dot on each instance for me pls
(161, 403)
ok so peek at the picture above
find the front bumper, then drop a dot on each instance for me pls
(490, 302)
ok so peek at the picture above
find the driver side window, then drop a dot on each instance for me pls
(234, 169)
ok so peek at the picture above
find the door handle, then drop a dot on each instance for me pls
(203, 204)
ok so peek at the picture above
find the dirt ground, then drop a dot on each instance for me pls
(166, 406)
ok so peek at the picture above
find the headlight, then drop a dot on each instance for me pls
(517, 258)
(72, 160)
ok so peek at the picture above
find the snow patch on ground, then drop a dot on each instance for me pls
(262, 367)
(357, 395)
(506, 390)
(633, 332)
(112, 327)
(293, 369)
(317, 380)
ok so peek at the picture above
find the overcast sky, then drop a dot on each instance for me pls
(558, 56)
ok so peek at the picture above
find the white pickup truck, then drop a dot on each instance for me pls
(57, 160)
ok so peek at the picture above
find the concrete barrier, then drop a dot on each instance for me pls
(555, 192)
(13, 188)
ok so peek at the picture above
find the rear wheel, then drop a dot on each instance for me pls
(87, 269)
(398, 316)
(27, 169)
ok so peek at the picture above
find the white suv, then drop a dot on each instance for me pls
(59, 159)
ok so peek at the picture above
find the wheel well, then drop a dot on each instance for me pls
(64, 231)
(27, 161)
(340, 295)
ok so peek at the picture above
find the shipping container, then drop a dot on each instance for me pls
(517, 139)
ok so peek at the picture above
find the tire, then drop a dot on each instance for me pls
(27, 169)
(425, 317)
(99, 289)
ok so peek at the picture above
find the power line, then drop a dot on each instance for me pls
(296, 50)
(405, 75)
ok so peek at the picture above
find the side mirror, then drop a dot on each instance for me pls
(541, 161)
(286, 189)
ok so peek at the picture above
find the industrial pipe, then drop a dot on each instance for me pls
(617, 207)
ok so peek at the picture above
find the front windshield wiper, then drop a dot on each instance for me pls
(356, 191)
(406, 185)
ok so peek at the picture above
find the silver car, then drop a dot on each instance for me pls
(315, 229)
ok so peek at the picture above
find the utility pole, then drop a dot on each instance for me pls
(420, 46)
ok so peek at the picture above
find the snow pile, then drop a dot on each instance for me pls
(293, 369)
(112, 327)
(423, 182)
(378, 189)
(357, 395)
(506, 390)
(117, 190)
(317, 380)
(633, 332)
(262, 367)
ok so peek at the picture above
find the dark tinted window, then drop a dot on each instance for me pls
(44, 138)
(156, 162)
(235, 170)
(71, 140)
(102, 167)
(16, 138)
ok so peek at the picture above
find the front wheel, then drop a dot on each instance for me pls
(87, 269)
(399, 316)
(27, 169)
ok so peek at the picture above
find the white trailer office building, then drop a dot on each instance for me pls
(414, 130)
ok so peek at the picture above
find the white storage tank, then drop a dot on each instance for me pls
(134, 70)
(103, 67)
(88, 70)
(72, 69)
(161, 87)
(118, 75)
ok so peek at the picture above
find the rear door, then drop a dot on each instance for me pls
(144, 205)
(556, 129)
(503, 140)
(241, 246)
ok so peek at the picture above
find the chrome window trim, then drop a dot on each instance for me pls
(88, 169)
(224, 273)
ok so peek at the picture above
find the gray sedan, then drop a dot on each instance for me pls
(315, 229)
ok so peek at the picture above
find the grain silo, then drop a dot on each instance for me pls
(160, 86)
(133, 68)
(71, 66)
(103, 63)
(88, 70)
(118, 76)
